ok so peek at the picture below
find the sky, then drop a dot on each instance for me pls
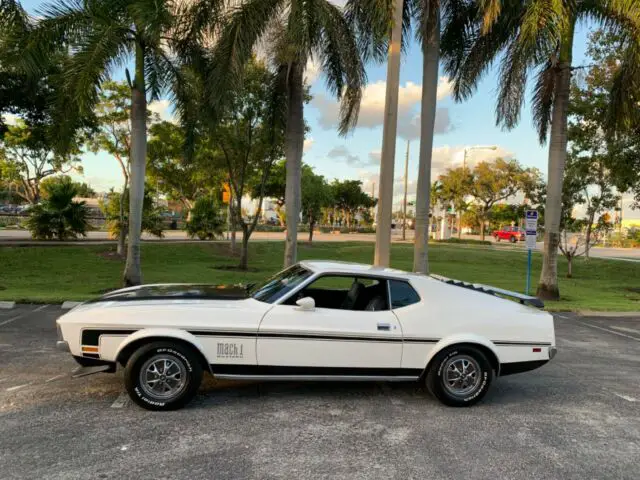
(357, 156)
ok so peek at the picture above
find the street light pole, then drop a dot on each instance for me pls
(404, 205)
(389, 129)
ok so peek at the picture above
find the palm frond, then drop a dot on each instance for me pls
(341, 62)
(490, 12)
(513, 80)
(624, 108)
(371, 21)
(613, 14)
(244, 27)
(543, 98)
(467, 55)
(542, 26)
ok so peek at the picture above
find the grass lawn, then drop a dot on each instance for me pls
(55, 274)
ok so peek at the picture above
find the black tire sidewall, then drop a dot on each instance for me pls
(132, 375)
(435, 378)
(512, 239)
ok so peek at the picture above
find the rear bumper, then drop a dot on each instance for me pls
(519, 367)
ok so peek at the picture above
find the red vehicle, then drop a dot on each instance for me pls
(513, 234)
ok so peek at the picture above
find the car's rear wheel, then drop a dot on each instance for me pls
(163, 375)
(513, 239)
(459, 376)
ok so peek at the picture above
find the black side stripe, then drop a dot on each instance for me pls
(230, 369)
(92, 337)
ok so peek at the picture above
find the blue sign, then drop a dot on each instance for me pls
(531, 214)
(531, 232)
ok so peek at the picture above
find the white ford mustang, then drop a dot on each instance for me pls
(317, 320)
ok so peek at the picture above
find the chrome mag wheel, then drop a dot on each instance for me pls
(462, 375)
(163, 377)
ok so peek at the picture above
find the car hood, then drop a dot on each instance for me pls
(174, 291)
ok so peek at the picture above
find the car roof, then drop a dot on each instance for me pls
(335, 266)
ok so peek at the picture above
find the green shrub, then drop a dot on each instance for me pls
(59, 216)
(152, 221)
(206, 221)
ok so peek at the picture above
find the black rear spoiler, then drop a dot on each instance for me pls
(478, 287)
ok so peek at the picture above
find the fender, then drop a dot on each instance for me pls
(461, 338)
(162, 332)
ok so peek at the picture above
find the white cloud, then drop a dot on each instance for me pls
(163, 109)
(342, 153)
(442, 158)
(372, 108)
(312, 71)
(308, 143)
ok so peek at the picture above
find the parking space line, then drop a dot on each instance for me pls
(607, 330)
(55, 378)
(11, 389)
(625, 397)
(121, 401)
(42, 307)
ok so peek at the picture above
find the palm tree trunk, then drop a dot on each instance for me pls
(294, 137)
(382, 252)
(132, 270)
(548, 285)
(122, 233)
(430, 55)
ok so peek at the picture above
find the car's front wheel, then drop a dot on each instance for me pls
(459, 376)
(513, 239)
(163, 375)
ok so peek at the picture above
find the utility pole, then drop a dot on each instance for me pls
(389, 130)
(404, 204)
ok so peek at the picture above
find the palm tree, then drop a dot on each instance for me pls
(103, 35)
(537, 37)
(294, 32)
(371, 19)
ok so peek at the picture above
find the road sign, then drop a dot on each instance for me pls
(531, 220)
(531, 230)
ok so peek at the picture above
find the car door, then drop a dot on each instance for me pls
(337, 337)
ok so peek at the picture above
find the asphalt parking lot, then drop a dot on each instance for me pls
(576, 418)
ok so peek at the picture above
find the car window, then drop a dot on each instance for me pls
(402, 294)
(342, 292)
(330, 282)
(280, 284)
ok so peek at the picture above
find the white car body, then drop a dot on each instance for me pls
(248, 338)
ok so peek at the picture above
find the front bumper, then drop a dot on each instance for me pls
(63, 346)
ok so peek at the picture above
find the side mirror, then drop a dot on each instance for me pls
(306, 304)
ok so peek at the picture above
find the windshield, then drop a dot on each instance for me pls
(280, 284)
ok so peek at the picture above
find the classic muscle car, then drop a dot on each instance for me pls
(317, 320)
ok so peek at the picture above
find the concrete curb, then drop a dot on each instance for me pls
(7, 305)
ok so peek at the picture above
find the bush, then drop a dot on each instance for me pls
(206, 221)
(152, 221)
(261, 227)
(59, 216)
(467, 241)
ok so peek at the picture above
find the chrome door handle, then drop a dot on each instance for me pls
(384, 326)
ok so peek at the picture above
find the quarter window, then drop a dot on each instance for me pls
(402, 294)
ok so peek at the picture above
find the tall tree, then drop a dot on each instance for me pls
(298, 31)
(317, 195)
(434, 22)
(104, 35)
(250, 136)
(349, 198)
(113, 117)
(538, 37)
(28, 156)
(454, 189)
